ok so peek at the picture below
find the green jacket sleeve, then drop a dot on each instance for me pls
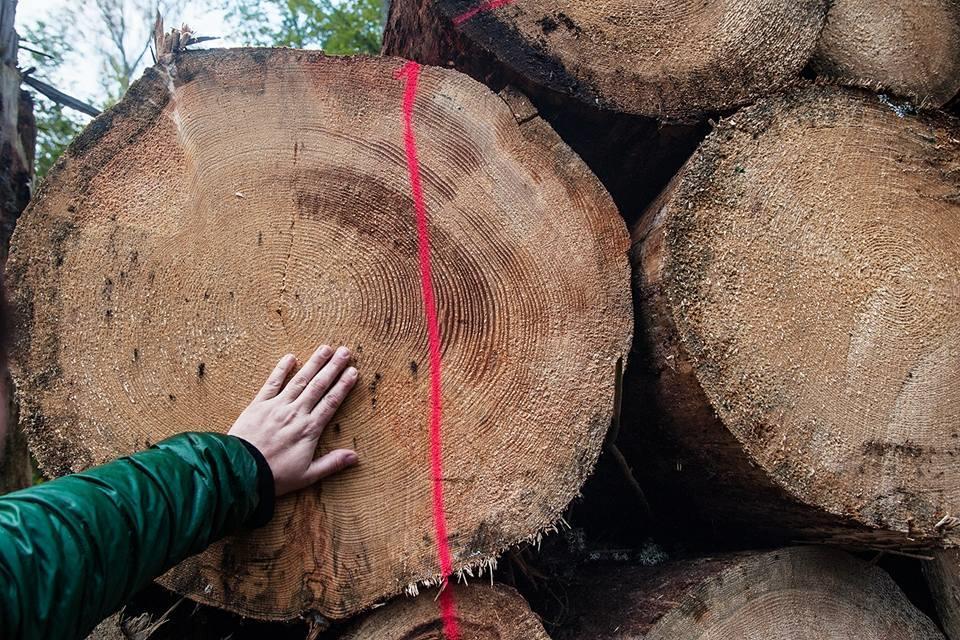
(73, 550)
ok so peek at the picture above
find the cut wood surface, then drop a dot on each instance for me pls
(943, 576)
(483, 613)
(798, 286)
(655, 58)
(908, 48)
(796, 593)
(240, 204)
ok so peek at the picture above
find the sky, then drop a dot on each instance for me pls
(79, 77)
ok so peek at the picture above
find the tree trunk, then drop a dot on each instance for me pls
(652, 58)
(796, 593)
(634, 156)
(240, 204)
(483, 613)
(943, 576)
(798, 304)
(908, 48)
(17, 140)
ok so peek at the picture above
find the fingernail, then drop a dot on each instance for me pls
(343, 352)
(351, 372)
(351, 458)
(325, 351)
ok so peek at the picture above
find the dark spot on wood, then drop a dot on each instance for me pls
(136, 354)
(259, 238)
(147, 443)
(71, 208)
(875, 448)
(171, 397)
(201, 369)
(206, 294)
(548, 24)
(414, 367)
(568, 23)
(108, 313)
(373, 388)
(336, 427)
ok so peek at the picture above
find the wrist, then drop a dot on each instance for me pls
(266, 491)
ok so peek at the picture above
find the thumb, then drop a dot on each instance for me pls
(331, 463)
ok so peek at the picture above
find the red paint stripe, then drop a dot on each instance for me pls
(411, 71)
(490, 5)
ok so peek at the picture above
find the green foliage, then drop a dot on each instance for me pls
(336, 26)
(56, 126)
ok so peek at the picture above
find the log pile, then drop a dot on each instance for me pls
(788, 370)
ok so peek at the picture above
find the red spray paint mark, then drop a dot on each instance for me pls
(490, 5)
(448, 613)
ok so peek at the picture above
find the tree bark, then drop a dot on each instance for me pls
(17, 140)
(662, 60)
(910, 49)
(798, 340)
(795, 593)
(240, 204)
(483, 613)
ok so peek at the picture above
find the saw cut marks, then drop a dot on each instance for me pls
(908, 48)
(483, 613)
(802, 282)
(796, 593)
(240, 204)
(675, 60)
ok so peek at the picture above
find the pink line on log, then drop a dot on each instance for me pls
(490, 5)
(448, 612)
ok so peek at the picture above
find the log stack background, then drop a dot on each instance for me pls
(785, 441)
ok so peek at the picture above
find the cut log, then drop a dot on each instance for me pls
(798, 296)
(483, 613)
(943, 576)
(796, 593)
(245, 203)
(908, 48)
(654, 58)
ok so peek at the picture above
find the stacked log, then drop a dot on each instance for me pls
(665, 60)
(794, 593)
(943, 576)
(795, 253)
(483, 613)
(798, 290)
(240, 204)
(907, 48)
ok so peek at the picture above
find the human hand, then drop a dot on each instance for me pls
(286, 419)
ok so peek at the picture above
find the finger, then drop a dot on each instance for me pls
(276, 378)
(324, 380)
(331, 463)
(309, 369)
